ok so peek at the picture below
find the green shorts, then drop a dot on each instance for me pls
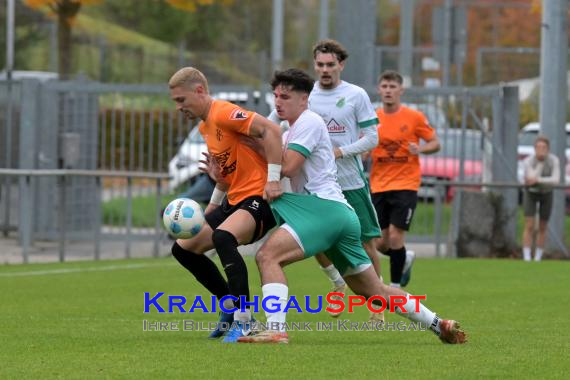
(361, 202)
(325, 226)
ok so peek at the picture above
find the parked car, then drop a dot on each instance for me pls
(445, 165)
(42, 76)
(183, 167)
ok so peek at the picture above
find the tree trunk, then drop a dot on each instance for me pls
(64, 47)
(66, 10)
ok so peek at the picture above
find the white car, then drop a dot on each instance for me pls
(184, 166)
(525, 148)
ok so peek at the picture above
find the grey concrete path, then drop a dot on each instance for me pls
(48, 252)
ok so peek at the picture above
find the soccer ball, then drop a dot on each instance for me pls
(183, 218)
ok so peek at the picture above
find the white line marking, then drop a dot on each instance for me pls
(79, 270)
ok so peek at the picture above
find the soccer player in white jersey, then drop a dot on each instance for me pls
(352, 124)
(308, 160)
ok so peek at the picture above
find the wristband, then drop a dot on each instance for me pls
(273, 172)
(217, 196)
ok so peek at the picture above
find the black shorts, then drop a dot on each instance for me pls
(544, 201)
(256, 206)
(395, 207)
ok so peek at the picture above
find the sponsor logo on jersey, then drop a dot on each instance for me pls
(334, 127)
(238, 114)
(222, 159)
(391, 147)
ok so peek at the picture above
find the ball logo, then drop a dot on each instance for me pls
(177, 212)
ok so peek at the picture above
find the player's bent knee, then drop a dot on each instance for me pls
(265, 257)
(197, 244)
(180, 252)
(382, 244)
(224, 239)
(396, 242)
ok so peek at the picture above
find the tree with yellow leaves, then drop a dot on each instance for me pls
(67, 10)
(192, 5)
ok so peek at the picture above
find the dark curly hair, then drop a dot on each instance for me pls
(330, 46)
(297, 79)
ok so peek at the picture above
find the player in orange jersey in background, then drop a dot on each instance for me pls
(395, 172)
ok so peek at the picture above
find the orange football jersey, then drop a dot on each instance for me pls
(393, 167)
(243, 168)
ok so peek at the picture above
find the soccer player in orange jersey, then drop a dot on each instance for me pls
(395, 173)
(238, 212)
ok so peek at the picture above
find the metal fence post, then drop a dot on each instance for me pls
(158, 220)
(62, 211)
(97, 226)
(505, 141)
(439, 193)
(129, 216)
(27, 157)
(26, 218)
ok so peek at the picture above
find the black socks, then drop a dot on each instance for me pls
(234, 266)
(397, 261)
(204, 269)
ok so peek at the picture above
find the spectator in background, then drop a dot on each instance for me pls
(541, 170)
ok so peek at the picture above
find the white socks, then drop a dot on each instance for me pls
(425, 315)
(242, 316)
(526, 253)
(276, 320)
(333, 275)
(527, 256)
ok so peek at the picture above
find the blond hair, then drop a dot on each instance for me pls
(186, 77)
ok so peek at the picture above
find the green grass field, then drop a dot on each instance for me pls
(84, 320)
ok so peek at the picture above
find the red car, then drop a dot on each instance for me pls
(446, 164)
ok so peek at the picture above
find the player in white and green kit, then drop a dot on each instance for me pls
(352, 125)
(317, 218)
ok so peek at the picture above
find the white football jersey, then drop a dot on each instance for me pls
(346, 109)
(309, 137)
